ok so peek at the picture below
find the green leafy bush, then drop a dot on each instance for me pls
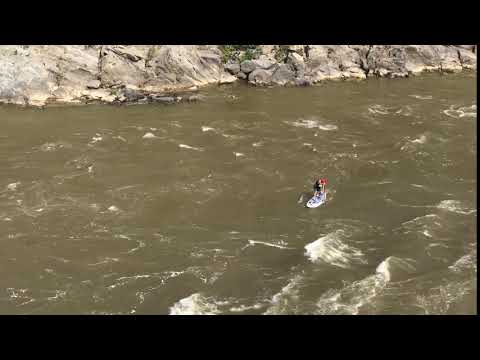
(239, 52)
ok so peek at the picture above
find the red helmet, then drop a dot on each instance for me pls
(323, 181)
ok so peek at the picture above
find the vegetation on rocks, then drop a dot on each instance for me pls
(239, 52)
(35, 75)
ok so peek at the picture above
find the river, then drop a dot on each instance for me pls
(199, 208)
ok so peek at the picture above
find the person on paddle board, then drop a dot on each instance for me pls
(319, 187)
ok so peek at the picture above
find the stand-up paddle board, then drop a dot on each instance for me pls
(317, 200)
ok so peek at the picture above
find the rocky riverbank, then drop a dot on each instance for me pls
(42, 74)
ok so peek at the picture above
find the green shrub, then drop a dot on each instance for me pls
(231, 52)
(228, 52)
(250, 53)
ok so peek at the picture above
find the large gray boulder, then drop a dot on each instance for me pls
(241, 75)
(247, 66)
(35, 75)
(396, 60)
(297, 62)
(263, 62)
(468, 59)
(387, 61)
(283, 75)
(335, 62)
(227, 79)
(233, 68)
(260, 77)
(120, 67)
(176, 67)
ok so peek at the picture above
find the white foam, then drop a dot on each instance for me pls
(253, 242)
(96, 139)
(385, 110)
(452, 113)
(384, 270)
(257, 144)
(49, 147)
(16, 293)
(410, 145)
(128, 279)
(145, 276)
(378, 109)
(465, 111)
(439, 299)
(416, 220)
(237, 154)
(281, 302)
(405, 111)
(149, 135)
(421, 140)
(424, 226)
(172, 274)
(206, 275)
(426, 233)
(466, 262)
(328, 127)
(120, 138)
(59, 294)
(352, 297)
(94, 206)
(455, 206)
(422, 97)
(396, 266)
(190, 147)
(113, 208)
(195, 304)
(13, 186)
(20, 294)
(106, 260)
(140, 243)
(310, 146)
(242, 308)
(331, 250)
(206, 128)
(313, 124)
(468, 111)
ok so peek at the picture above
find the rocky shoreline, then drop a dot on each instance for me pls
(38, 75)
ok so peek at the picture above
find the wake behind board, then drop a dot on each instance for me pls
(316, 201)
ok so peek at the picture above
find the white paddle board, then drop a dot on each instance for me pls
(316, 201)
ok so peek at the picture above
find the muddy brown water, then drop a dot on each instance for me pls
(200, 208)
